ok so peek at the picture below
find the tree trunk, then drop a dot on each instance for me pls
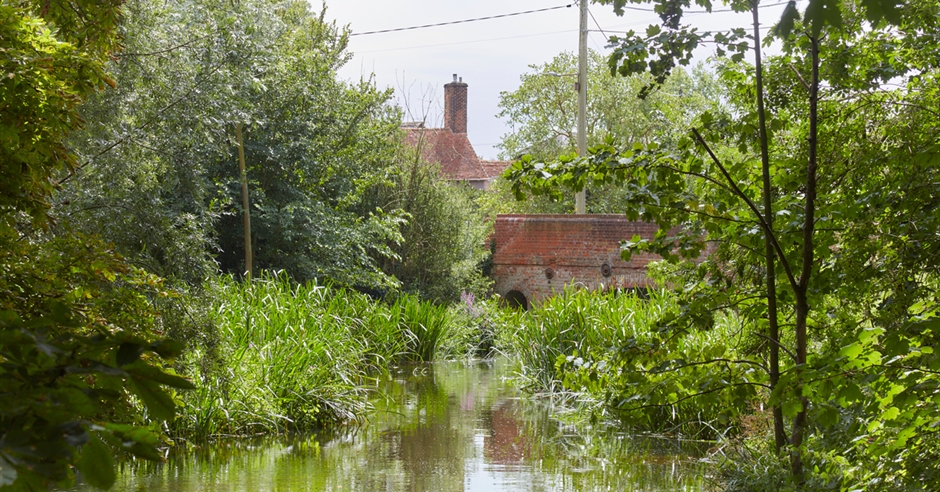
(801, 291)
(780, 438)
(245, 205)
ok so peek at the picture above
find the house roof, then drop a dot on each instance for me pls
(453, 152)
(494, 168)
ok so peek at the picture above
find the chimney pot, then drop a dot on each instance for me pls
(455, 77)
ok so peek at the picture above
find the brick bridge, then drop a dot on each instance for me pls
(537, 255)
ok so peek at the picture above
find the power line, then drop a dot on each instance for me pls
(410, 28)
(472, 41)
(641, 9)
(596, 24)
(526, 12)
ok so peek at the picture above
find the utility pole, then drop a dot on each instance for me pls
(579, 197)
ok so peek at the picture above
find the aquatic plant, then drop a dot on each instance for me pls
(604, 349)
(297, 356)
(575, 321)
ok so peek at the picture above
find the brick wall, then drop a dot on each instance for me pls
(574, 247)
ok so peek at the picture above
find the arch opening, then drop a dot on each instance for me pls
(517, 300)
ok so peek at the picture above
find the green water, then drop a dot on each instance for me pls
(441, 427)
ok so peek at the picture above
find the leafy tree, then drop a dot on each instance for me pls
(543, 111)
(793, 185)
(77, 335)
(76, 331)
(543, 116)
(443, 233)
(50, 61)
(159, 175)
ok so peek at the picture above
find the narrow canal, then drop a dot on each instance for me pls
(442, 427)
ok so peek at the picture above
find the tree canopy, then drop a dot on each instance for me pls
(542, 113)
(816, 185)
(160, 178)
(77, 333)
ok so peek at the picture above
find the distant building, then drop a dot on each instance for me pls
(449, 146)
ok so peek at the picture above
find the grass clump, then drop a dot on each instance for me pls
(290, 357)
(576, 321)
(618, 354)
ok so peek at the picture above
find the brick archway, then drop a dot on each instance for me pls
(516, 299)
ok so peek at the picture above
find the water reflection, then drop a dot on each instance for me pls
(446, 427)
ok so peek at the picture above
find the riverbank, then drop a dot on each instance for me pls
(618, 355)
(274, 357)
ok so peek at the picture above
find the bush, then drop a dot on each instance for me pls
(614, 350)
(443, 240)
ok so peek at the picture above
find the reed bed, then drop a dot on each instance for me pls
(560, 343)
(575, 321)
(296, 357)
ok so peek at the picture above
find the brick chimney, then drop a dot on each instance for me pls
(455, 105)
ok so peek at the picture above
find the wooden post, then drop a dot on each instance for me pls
(244, 178)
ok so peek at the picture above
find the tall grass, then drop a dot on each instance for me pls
(576, 321)
(425, 326)
(606, 349)
(294, 357)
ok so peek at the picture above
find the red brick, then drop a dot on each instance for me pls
(574, 246)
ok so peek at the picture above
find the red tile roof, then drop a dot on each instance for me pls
(495, 168)
(454, 153)
(451, 150)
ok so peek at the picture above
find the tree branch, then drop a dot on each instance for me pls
(694, 395)
(802, 80)
(777, 343)
(698, 175)
(752, 206)
(705, 362)
(159, 52)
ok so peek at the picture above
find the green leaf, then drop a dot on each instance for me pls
(128, 353)
(828, 416)
(97, 464)
(167, 348)
(882, 10)
(144, 370)
(821, 13)
(849, 394)
(851, 351)
(891, 413)
(792, 407)
(134, 433)
(144, 451)
(159, 403)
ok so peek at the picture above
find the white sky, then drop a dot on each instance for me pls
(489, 55)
